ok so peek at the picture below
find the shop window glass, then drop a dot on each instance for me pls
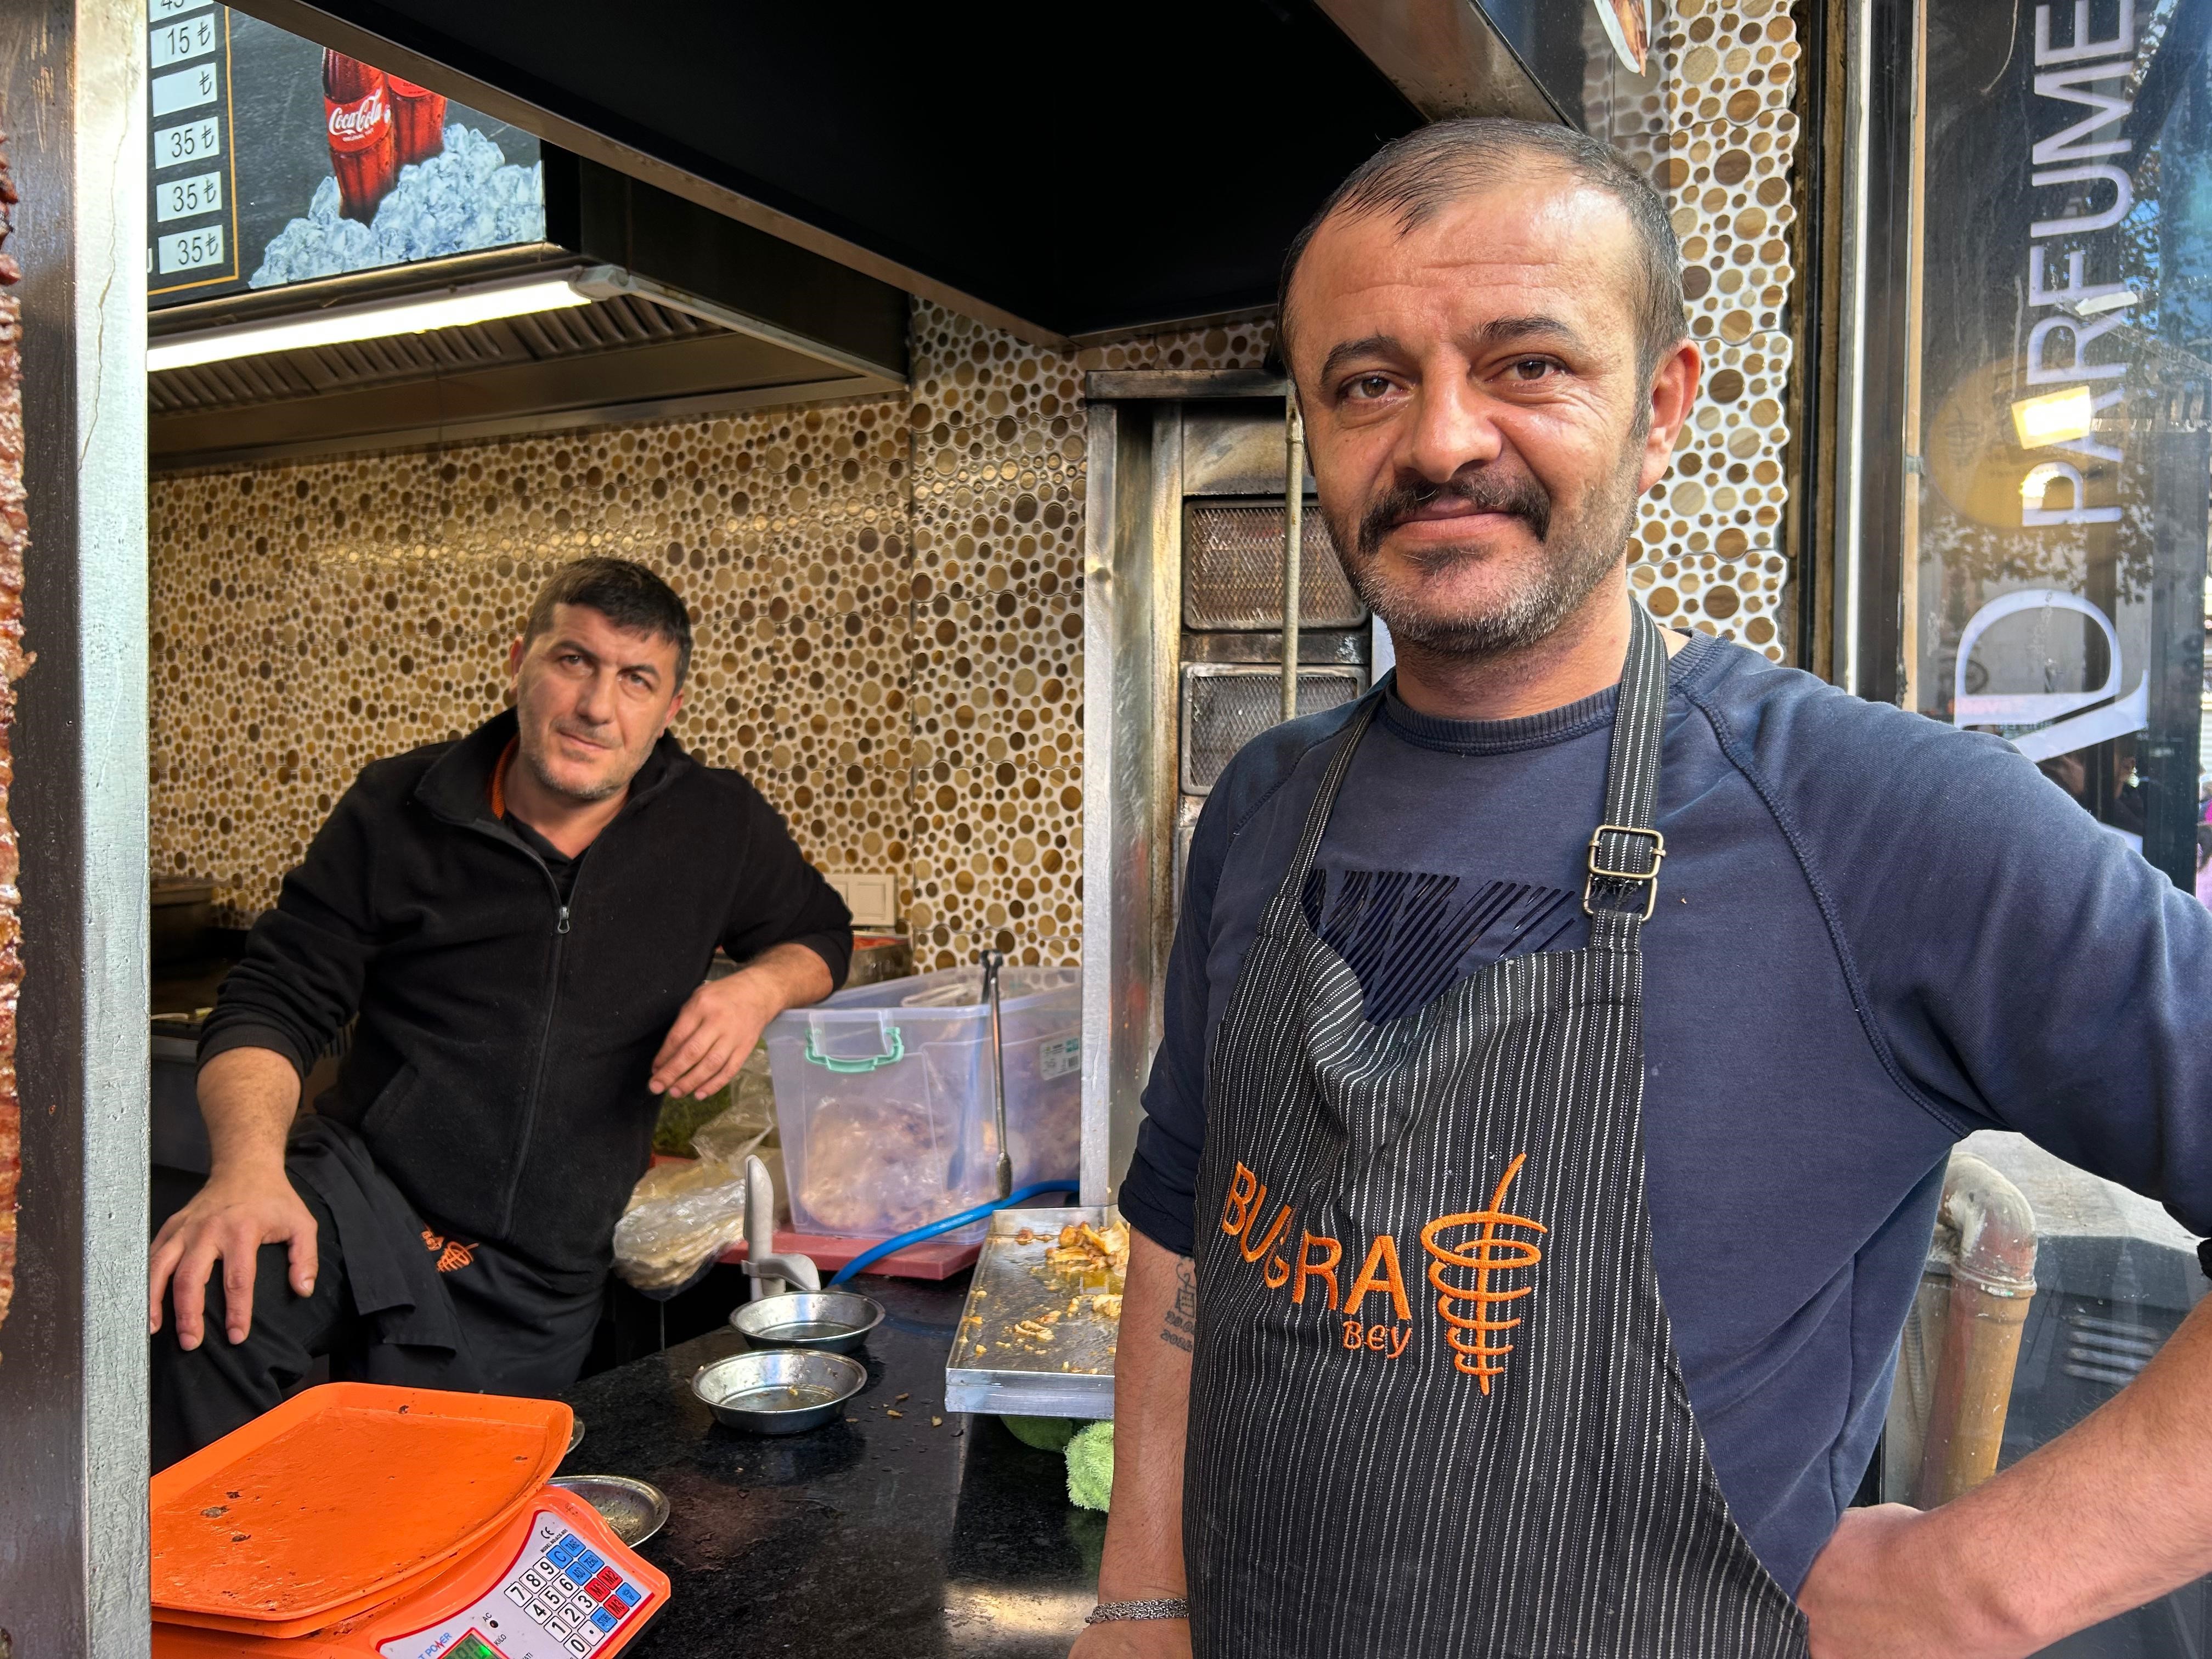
(2056, 324)
(2060, 318)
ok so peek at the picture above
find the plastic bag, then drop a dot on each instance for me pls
(680, 1218)
(748, 1120)
(748, 1098)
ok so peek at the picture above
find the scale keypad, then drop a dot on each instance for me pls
(573, 1594)
(560, 1599)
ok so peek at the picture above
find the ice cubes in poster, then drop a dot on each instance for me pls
(465, 198)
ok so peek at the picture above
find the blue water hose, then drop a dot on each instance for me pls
(869, 1257)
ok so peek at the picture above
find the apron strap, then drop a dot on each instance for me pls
(1622, 883)
(1291, 893)
(1620, 887)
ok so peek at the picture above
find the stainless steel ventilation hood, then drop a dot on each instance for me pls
(690, 314)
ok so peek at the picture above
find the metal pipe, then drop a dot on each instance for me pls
(993, 961)
(768, 1271)
(1852, 278)
(1986, 1227)
(1294, 504)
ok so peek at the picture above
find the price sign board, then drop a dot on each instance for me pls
(273, 161)
(194, 240)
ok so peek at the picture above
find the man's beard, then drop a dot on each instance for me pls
(1567, 570)
(552, 785)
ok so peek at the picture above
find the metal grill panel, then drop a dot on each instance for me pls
(1225, 706)
(1232, 568)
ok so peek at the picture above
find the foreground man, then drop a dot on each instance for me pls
(522, 921)
(1456, 1081)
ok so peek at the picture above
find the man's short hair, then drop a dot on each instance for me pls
(626, 594)
(1415, 177)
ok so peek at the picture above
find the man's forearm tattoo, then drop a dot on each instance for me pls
(1179, 1325)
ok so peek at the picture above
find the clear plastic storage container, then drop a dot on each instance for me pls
(883, 1095)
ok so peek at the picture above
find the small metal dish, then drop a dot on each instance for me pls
(827, 1321)
(575, 1434)
(778, 1390)
(633, 1510)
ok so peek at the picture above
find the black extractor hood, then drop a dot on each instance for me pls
(1064, 170)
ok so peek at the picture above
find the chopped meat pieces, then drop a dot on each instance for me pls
(15, 539)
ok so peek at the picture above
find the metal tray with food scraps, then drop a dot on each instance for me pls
(1037, 1336)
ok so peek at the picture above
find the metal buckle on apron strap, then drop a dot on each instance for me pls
(1598, 869)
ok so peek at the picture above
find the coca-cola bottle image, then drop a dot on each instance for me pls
(357, 111)
(418, 120)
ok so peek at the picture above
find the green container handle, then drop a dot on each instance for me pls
(872, 1063)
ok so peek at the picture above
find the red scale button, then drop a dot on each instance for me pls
(607, 1582)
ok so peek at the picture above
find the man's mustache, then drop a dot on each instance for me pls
(1486, 492)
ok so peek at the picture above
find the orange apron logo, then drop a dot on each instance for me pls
(452, 1256)
(1310, 1269)
(1486, 1255)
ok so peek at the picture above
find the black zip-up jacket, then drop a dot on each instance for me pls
(498, 1072)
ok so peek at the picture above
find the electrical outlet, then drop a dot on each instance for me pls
(871, 897)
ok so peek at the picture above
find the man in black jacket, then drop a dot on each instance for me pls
(522, 921)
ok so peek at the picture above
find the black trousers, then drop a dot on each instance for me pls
(477, 1320)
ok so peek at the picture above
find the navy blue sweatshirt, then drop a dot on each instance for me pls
(1875, 935)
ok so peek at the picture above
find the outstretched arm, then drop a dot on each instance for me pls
(2113, 1513)
(1143, 1560)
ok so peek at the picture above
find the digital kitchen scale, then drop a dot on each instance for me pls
(356, 1520)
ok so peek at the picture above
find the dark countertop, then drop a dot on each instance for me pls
(873, 1536)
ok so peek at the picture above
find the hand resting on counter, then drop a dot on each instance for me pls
(725, 1018)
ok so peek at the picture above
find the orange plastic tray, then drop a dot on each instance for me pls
(338, 1498)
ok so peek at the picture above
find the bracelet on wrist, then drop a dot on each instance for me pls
(1164, 1606)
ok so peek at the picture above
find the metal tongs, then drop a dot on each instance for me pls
(993, 961)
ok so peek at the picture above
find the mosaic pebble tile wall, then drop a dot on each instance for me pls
(308, 619)
(887, 592)
(1717, 132)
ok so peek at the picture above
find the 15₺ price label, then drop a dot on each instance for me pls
(173, 43)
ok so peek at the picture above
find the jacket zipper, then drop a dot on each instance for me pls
(545, 1037)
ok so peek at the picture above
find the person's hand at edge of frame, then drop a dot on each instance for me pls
(228, 1221)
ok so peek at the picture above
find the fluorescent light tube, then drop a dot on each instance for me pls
(2057, 418)
(456, 308)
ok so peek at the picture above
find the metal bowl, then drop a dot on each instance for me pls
(778, 1390)
(828, 1322)
(633, 1510)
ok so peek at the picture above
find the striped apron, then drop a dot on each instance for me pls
(1435, 1406)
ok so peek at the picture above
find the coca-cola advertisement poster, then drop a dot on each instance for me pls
(275, 161)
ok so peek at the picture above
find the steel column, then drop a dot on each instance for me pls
(73, 1460)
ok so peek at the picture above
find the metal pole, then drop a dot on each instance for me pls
(1848, 552)
(994, 961)
(73, 1530)
(1294, 504)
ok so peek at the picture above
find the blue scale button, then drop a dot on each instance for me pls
(565, 1552)
(586, 1565)
(628, 1595)
(575, 1571)
(604, 1620)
